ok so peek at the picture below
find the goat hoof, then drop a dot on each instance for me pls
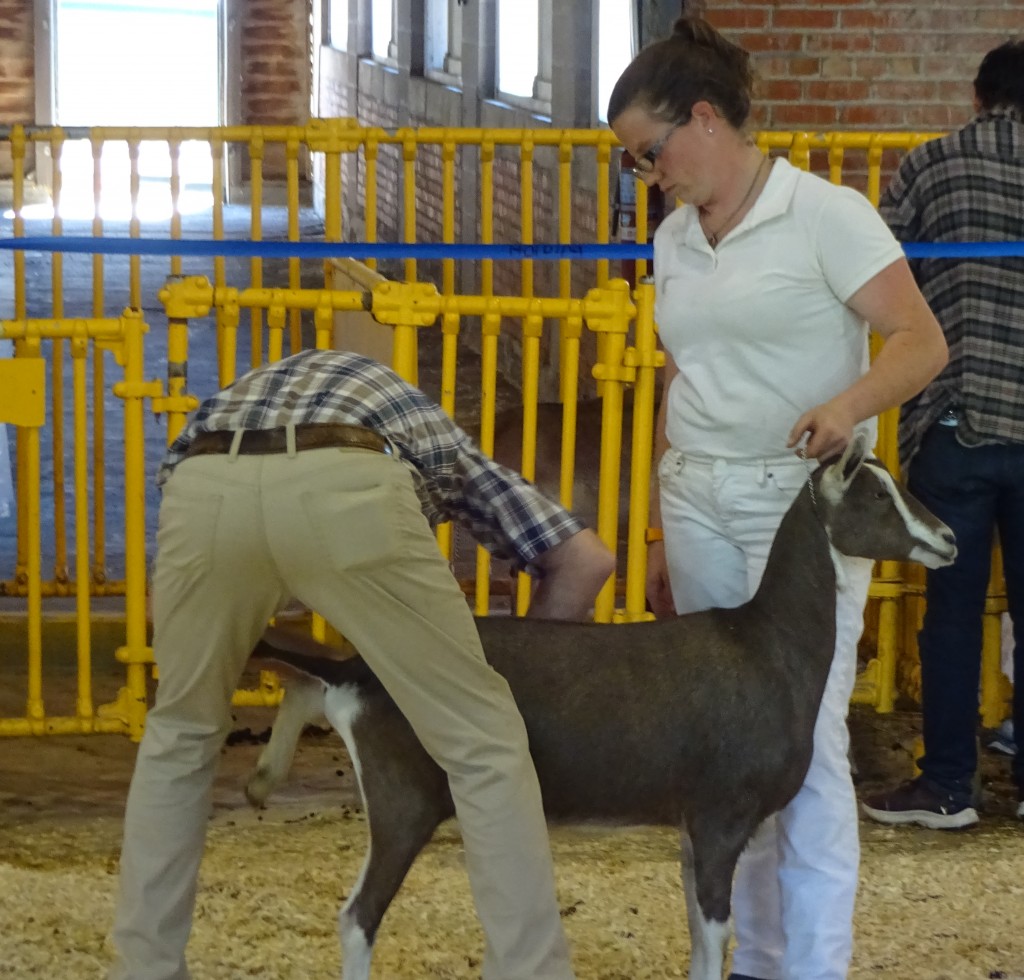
(258, 788)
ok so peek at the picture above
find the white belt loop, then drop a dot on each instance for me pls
(289, 439)
(236, 444)
(762, 473)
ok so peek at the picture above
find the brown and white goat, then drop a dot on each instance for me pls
(631, 723)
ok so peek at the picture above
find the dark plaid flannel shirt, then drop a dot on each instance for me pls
(968, 187)
(454, 479)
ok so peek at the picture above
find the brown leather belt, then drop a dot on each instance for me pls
(258, 442)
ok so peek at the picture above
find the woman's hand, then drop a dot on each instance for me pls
(659, 592)
(828, 427)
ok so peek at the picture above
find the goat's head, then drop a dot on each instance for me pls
(867, 514)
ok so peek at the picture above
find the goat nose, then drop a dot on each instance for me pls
(949, 537)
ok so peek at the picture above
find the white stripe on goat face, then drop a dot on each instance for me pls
(931, 537)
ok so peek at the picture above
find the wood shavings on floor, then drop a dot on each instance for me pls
(932, 906)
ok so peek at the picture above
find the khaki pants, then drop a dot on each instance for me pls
(342, 531)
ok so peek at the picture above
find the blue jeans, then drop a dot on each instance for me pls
(976, 491)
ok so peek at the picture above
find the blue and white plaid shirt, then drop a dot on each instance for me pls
(455, 480)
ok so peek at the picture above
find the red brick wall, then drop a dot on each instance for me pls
(275, 85)
(275, 62)
(17, 89)
(866, 64)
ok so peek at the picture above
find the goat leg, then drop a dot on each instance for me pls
(302, 704)
(708, 937)
(710, 852)
(405, 798)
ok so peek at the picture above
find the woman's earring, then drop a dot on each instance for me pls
(710, 131)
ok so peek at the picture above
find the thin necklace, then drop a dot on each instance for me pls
(713, 236)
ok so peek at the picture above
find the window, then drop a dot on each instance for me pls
(436, 35)
(337, 24)
(443, 38)
(382, 25)
(615, 33)
(518, 46)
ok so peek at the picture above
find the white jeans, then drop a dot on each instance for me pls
(796, 883)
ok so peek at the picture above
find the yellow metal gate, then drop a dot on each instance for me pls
(575, 328)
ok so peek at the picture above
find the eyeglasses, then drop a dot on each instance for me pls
(645, 164)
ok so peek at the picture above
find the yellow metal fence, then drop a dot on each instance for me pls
(562, 181)
(22, 403)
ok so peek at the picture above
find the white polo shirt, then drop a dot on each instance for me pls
(758, 328)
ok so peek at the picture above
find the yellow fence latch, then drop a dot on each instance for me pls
(23, 391)
(415, 304)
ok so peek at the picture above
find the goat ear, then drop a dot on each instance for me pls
(854, 455)
(839, 475)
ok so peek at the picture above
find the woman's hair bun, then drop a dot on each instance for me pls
(692, 13)
(692, 27)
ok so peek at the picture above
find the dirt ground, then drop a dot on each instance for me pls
(933, 906)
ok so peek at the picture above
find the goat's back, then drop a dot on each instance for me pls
(630, 722)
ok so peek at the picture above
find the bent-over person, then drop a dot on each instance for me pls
(318, 479)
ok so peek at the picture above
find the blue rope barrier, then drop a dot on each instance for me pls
(963, 250)
(421, 250)
(322, 250)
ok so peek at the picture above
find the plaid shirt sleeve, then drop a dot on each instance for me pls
(897, 205)
(506, 513)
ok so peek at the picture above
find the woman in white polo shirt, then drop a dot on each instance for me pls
(767, 279)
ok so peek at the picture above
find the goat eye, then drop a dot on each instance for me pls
(881, 495)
